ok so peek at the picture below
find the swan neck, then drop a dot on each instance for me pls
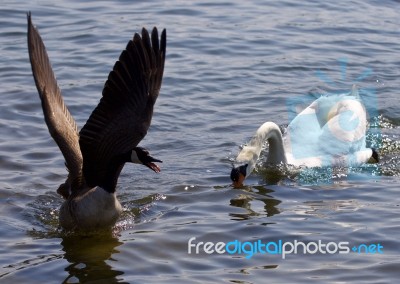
(271, 133)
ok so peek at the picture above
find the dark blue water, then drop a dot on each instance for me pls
(230, 67)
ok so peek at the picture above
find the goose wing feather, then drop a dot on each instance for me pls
(59, 120)
(123, 115)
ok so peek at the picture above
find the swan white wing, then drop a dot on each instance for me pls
(342, 138)
(302, 137)
(330, 131)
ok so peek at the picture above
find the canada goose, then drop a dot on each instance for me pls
(329, 132)
(96, 155)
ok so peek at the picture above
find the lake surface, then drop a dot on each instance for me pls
(230, 67)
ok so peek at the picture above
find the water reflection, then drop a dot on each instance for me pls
(249, 199)
(89, 258)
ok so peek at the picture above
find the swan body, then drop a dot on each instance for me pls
(329, 132)
(96, 155)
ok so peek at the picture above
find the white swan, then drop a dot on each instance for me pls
(96, 155)
(329, 132)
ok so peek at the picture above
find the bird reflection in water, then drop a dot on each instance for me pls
(251, 196)
(89, 258)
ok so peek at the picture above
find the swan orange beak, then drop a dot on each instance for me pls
(239, 182)
(238, 175)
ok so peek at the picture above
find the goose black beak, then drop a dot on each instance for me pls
(150, 163)
(142, 156)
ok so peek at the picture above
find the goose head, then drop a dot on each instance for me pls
(141, 156)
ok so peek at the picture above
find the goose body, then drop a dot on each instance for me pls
(329, 132)
(96, 155)
(94, 208)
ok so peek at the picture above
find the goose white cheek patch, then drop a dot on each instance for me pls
(135, 159)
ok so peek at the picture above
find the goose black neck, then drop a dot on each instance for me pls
(109, 182)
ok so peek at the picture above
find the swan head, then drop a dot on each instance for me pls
(141, 156)
(239, 174)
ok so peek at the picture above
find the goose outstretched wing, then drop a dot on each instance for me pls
(59, 120)
(123, 115)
